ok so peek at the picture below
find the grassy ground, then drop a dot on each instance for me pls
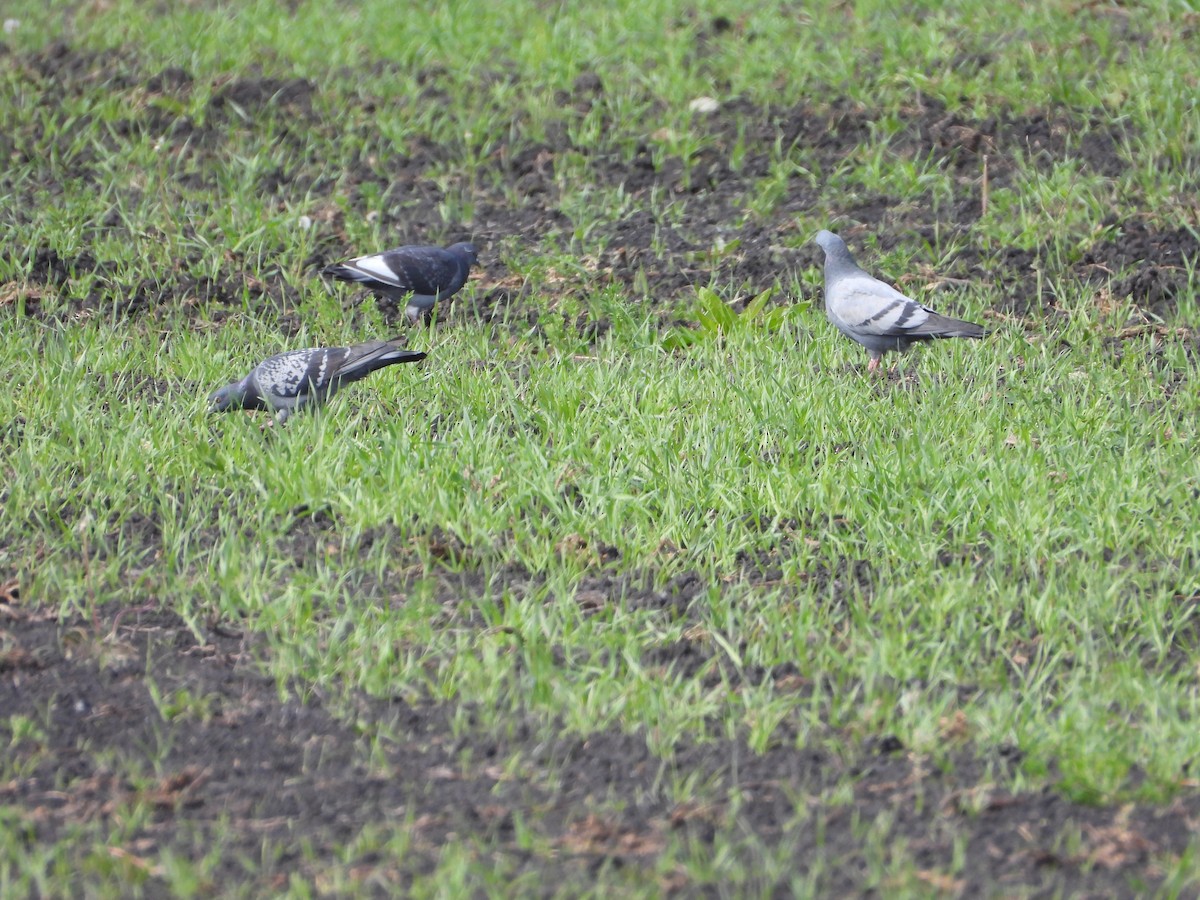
(570, 607)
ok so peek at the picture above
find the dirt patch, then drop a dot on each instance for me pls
(59, 288)
(252, 93)
(71, 71)
(1149, 266)
(513, 189)
(1131, 260)
(132, 710)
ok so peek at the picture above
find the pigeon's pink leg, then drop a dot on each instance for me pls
(872, 365)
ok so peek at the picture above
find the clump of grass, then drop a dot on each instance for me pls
(718, 320)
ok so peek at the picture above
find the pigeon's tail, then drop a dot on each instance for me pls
(938, 326)
(396, 354)
(337, 270)
(402, 356)
(363, 359)
(343, 272)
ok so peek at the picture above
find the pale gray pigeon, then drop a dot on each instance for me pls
(423, 275)
(290, 381)
(875, 314)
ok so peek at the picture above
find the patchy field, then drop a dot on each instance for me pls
(577, 606)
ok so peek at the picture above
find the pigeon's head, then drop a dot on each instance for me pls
(467, 251)
(829, 242)
(836, 253)
(232, 396)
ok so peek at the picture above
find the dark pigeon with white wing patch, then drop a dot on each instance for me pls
(423, 275)
(875, 314)
(290, 381)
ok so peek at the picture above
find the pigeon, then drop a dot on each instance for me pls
(875, 314)
(422, 274)
(298, 378)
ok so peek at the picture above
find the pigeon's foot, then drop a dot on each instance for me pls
(873, 365)
(417, 315)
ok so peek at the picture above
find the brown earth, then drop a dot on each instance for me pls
(235, 766)
(231, 762)
(1130, 257)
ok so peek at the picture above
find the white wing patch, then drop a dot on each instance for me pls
(375, 267)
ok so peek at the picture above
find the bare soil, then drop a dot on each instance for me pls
(236, 765)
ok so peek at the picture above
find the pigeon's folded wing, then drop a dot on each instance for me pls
(295, 373)
(869, 306)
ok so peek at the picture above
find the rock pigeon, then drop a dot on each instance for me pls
(422, 274)
(875, 314)
(299, 378)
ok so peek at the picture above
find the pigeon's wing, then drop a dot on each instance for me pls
(422, 270)
(870, 307)
(298, 372)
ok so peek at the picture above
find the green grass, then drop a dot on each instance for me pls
(1010, 537)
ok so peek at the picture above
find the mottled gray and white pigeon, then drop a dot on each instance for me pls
(875, 314)
(298, 378)
(422, 274)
